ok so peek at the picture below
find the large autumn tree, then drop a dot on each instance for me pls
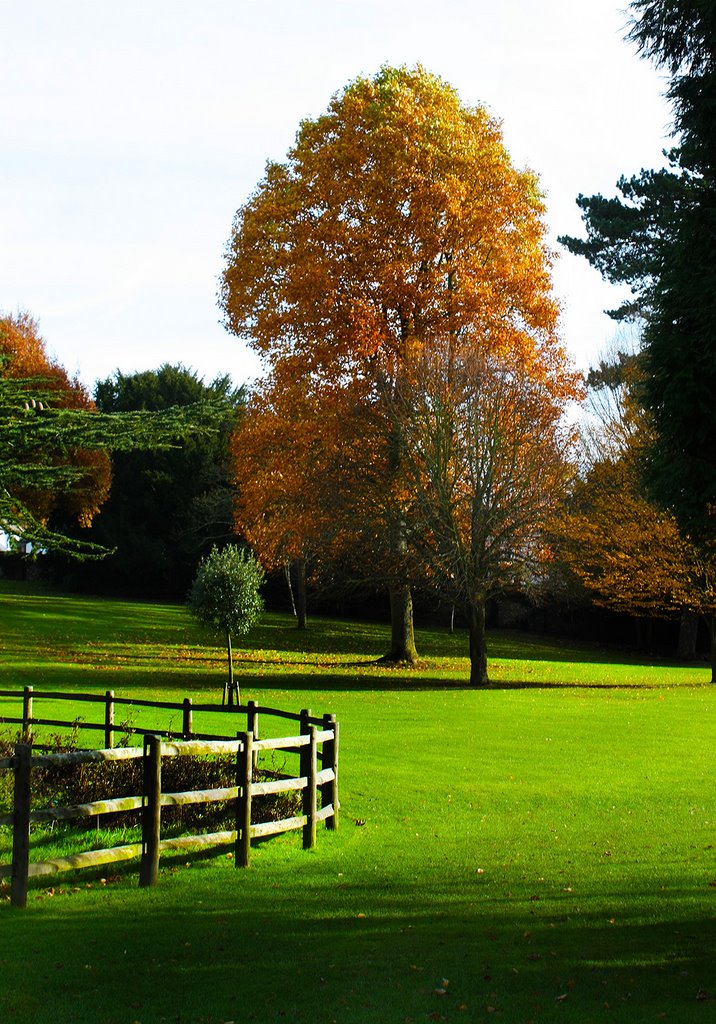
(396, 222)
(487, 459)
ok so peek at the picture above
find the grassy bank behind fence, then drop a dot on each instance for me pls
(543, 850)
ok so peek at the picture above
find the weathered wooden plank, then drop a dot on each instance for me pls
(199, 747)
(272, 828)
(7, 762)
(278, 786)
(87, 859)
(86, 757)
(282, 742)
(207, 839)
(199, 796)
(325, 813)
(89, 810)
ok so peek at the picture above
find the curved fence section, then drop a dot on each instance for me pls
(316, 746)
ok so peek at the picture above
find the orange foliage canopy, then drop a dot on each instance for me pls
(24, 356)
(397, 218)
(624, 548)
(630, 553)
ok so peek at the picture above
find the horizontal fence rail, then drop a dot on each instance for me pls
(318, 787)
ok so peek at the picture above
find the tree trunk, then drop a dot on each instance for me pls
(402, 640)
(688, 632)
(478, 642)
(711, 623)
(301, 593)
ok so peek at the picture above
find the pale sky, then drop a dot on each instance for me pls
(133, 131)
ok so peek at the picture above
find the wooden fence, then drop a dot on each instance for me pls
(110, 726)
(318, 741)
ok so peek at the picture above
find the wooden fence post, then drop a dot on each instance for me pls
(151, 810)
(305, 726)
(27, 714)
(187, 724)
(329, 790)
(309, 768)
(21, 825)
(244, 778)
(109, 719)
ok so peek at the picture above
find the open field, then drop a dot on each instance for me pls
(544, 850)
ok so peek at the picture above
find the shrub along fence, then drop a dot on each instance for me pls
(318, 740)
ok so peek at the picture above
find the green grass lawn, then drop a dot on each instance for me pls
(543, 850)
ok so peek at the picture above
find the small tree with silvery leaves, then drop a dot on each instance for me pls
(225, 595)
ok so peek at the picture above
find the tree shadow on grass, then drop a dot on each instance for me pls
(370, 949)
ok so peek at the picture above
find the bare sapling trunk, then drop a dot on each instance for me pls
(478, 642)
(231, 686)
(289, 584)
(301, 604)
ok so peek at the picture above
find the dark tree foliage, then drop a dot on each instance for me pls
(627, 234)
(660, 237)
(39, 440)
(680, 334)
(166, 508)
(680, 36)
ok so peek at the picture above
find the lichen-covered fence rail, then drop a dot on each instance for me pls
(319, 788)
